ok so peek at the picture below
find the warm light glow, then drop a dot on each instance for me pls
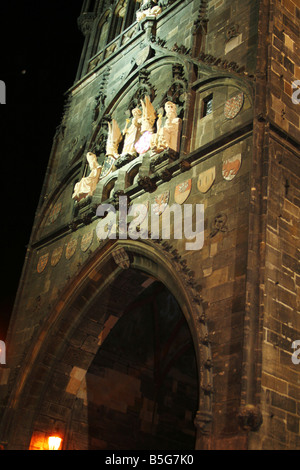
(54, 442)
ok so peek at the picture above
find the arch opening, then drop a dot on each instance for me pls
(81, 322)
(141, 389)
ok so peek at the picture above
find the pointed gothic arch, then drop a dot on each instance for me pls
(56, 356)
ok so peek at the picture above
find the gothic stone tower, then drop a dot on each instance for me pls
(124, 343)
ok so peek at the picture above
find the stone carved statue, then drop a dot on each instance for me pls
(148, 8)
(148, 115)
(113, 139)
(87, 185)
(132, 133)
(167, 136)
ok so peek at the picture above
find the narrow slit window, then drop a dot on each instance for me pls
(207, 105)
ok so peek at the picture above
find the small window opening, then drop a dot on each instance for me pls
(207, 105)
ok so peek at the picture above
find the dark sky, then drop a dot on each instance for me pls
(40, 51)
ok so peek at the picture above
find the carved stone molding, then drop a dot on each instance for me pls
(147, 184)
(176, 92)
(99, 138)
(144, 89)
(166, 175)
(219, 225)
(250, 418)
(232, 32)
(160, 42)
(181, 49)
(101, 96)
(203, 421)
(201, 22)
(123, 160)
(60, 130)
(85, 22)
(185, 166)
(167, 156)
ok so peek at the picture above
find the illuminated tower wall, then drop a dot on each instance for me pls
(146, 343)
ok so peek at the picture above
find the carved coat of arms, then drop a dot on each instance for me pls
(206, 180)
(161, 203)
(231, 166)
(42, 263)
(87, 240)
(71, 248)
(55, 211)
(121, 258)
(108, 165)
(182, 191)
(56, 255)
(233, 106)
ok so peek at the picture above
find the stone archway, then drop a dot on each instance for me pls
(51, 385)
(141, 390)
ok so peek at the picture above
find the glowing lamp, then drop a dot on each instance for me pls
(54, 443)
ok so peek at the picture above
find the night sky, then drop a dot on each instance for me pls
(40, 51)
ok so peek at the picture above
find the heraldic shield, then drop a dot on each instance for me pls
(206, 179)
(231, 166)
(86, 240)
(161, 203)
(56, 255)
(71, 248)
(121, 258)
(42, 263)
(233, 106)
(182, 191)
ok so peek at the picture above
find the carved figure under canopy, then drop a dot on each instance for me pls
(87, 185)
(167, 136)
(148, 8)
(132, 133)
(113, 139)
(148, 116)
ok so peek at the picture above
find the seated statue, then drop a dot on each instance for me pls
(87, 185)
(167, 136)
(132, 133)
(148, 8)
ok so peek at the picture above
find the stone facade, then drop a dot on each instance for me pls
(233, 304)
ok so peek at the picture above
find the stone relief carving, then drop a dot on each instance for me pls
(232, 32)
(148, 115)
(145, 131)
(168, 135)
(99, 145)
(113, 139)
(132, 133)
(144, 89)
(101, 97)
(87, 185)
(148, 8)
(85, 22)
